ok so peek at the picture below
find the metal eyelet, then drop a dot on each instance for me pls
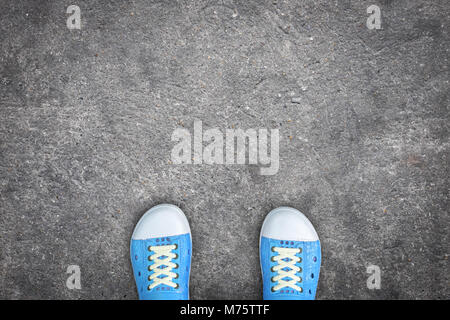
(176, 267)
(272, 259)
(271, 269)
(148, 288)
(149, 279)
(149, 248)
(300, 270)
(300, 280)
(272, 289)
(176, 247)
(300, 260)
(149, 258)
(271, 279)
(301, 290)
(176, 256)
(300, 250)
(176, 276)
(177, 286)
(273, 249)
(149, 268)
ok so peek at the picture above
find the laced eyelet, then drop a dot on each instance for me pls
(300, 250)
(149, 248)
(176, 267)
(148, 288)
(149, 268)
(149, 279)
(300, 280)
(149, 258)
(176, 256)
(176, 276)
(301, 290)
(176, 247)
(272, 289)
(300, 260)
(272, 259)
(272, 269)
(273, 249)
(177, 286)
(271, 279)
(300, 270)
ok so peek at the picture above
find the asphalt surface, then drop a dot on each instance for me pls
(87, 117)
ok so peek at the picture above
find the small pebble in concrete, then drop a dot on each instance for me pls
(296, 100)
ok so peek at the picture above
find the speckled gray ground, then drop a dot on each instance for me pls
(87, 116)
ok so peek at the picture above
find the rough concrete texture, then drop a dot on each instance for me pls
(87, 117)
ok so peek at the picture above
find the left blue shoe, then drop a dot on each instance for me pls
(290, 256)
(161, 250)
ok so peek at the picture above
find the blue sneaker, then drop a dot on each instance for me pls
(289, 250)
(161, 250)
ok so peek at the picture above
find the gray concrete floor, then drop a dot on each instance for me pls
(87, 116)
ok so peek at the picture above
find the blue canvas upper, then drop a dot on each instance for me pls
(139, 250)
(309, 264)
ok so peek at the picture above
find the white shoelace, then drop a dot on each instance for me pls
(160, 251)
(290, 255)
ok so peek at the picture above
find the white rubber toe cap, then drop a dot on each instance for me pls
(286, 223)
(163, 220)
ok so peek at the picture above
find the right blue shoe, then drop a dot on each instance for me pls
(161, 250)
(289, 249)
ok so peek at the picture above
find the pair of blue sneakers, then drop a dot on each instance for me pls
(161, 250)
